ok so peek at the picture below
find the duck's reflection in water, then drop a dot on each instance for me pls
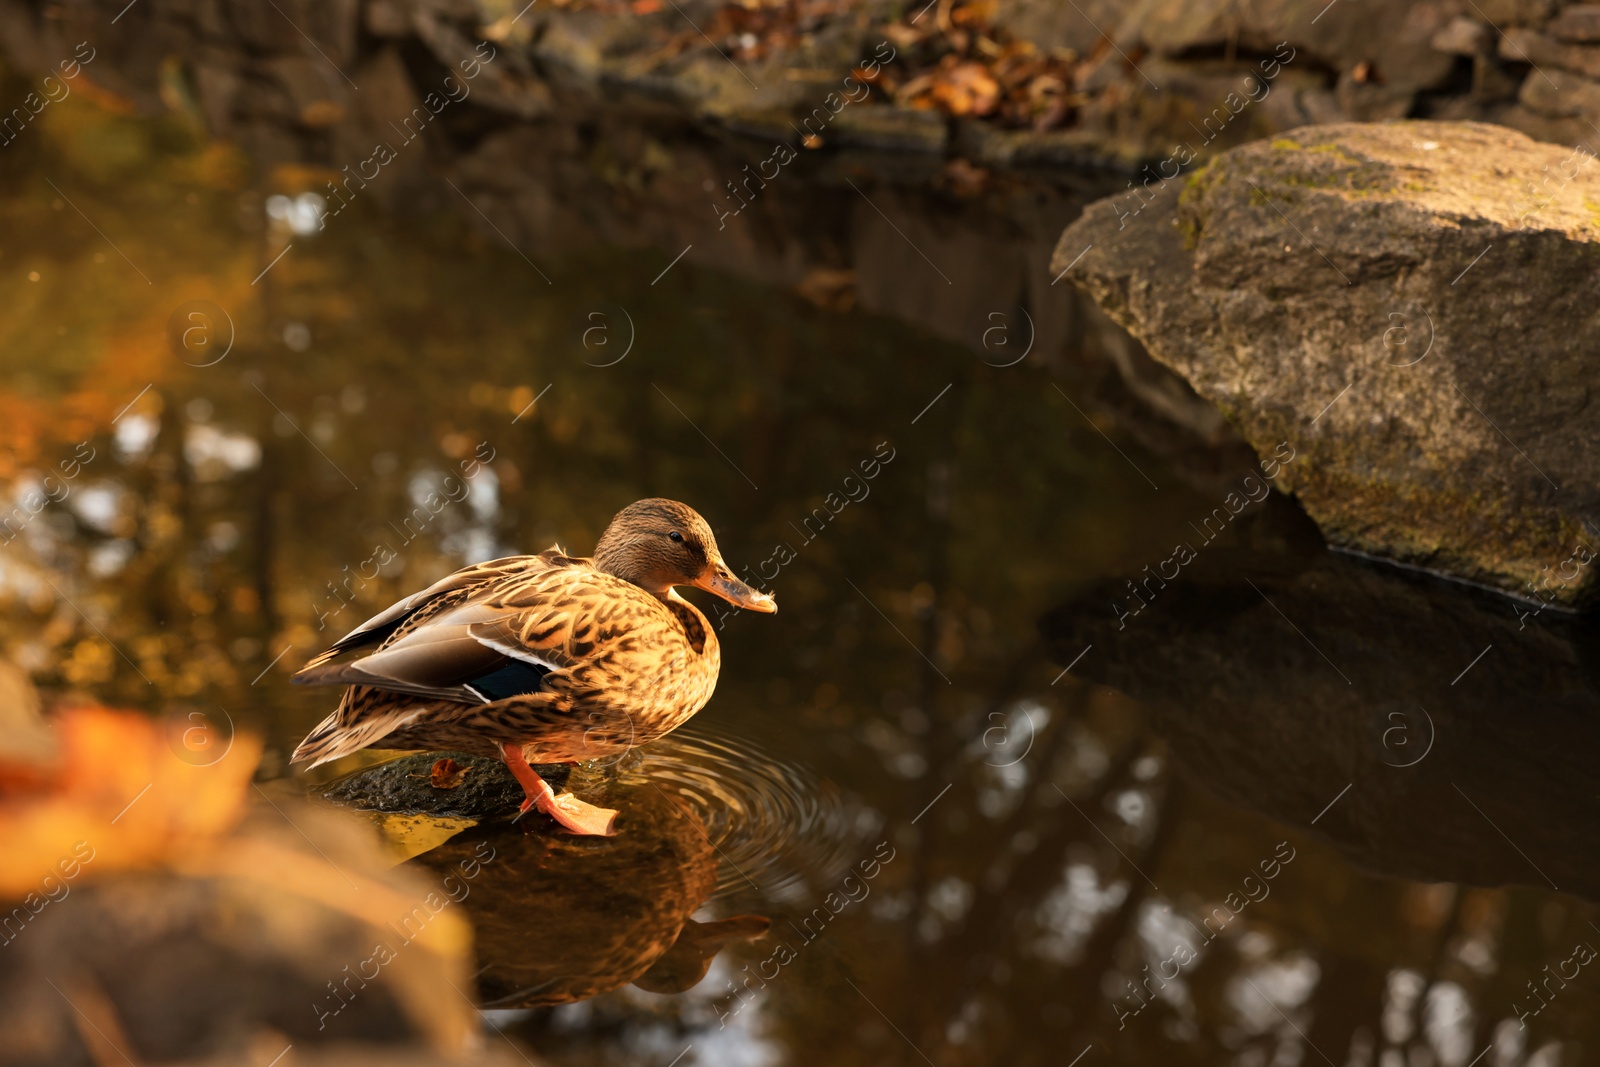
(560, 919)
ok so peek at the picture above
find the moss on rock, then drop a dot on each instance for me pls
(1410, 305)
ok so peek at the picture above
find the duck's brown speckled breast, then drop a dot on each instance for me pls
(635, 666)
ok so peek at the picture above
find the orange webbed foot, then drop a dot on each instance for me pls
(571, 814)
(578, 816)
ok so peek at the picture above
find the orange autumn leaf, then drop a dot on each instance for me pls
(447, 773)
(121, 791)
(118, 793)
(966, 89)
(975, 13)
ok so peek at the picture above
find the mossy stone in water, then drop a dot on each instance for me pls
(404, 786)
(1412, 355)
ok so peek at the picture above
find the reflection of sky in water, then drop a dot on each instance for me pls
(1069, 913)
(300, 215)
(135, 434)
(214, 454)
(720, 1035)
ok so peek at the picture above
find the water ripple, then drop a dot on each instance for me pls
(776, 825)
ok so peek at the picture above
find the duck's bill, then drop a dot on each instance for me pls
(725, 585)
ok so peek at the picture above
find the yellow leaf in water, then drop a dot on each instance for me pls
(405, 836)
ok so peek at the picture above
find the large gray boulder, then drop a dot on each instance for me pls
(1412, 307)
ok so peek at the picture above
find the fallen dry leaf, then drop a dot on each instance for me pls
(983, 71)
(447, 773)
(966, 89)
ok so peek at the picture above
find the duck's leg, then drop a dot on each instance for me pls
(573, 814)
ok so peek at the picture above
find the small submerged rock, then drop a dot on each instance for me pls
(405, 786)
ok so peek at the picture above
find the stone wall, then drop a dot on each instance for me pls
(1532, 65)
(1114, 82)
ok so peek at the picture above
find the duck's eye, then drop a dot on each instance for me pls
(675, 536)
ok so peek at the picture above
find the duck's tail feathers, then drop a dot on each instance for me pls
(333, 737)
(327, 742)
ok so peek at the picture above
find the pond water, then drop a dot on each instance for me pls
(982, 792)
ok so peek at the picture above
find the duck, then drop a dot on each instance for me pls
(540, 659)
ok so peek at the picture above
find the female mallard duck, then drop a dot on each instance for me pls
(547, 658)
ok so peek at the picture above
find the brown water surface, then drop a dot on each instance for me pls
(1263, 820)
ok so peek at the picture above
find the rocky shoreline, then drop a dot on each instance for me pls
(1122, 84)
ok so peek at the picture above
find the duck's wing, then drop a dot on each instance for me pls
(457, 586)
(460, 655)
(500, 641)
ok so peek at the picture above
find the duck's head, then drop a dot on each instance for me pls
(657, 544)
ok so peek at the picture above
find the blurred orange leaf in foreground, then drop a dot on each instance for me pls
(116, 784)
